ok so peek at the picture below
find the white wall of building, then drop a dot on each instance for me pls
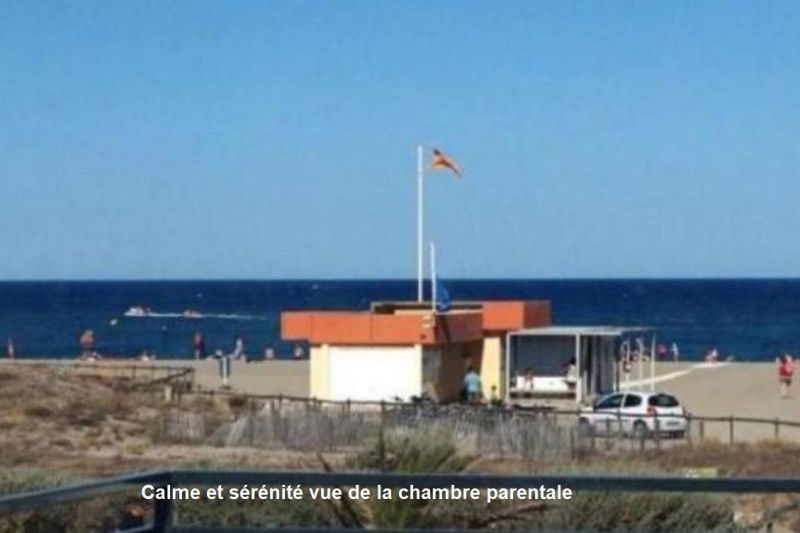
(374, 373)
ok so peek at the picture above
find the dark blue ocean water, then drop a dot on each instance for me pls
(751, 319)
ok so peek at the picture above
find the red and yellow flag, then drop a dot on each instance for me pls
(440, 161)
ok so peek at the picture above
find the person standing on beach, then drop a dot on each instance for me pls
(199, 345)
(785, 372)
(238, 348)
(676, 354)
(661, 352)
(269, 353)
(11, 351)
(87, 342)
(472, 385)
(298, 352)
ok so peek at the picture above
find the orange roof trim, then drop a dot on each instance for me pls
(366, 328)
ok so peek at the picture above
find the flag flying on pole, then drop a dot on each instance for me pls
(441, 161)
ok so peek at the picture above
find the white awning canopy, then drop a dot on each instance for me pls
(588, 331)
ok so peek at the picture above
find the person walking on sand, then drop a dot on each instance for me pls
(661, 353)
(11, 351)
(87, 342)
(238, 348)
(298, 353)
(269, 353)
(785, 372)
(199, 345)
(472, 385)
(675, 351)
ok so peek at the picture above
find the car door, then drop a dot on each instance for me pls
(606, 413)
(631, 405)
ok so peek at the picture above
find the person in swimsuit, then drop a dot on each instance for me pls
(785, 372)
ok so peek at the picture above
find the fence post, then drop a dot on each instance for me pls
(608, 434)
(381, 443)
(642, 440)
(702, 430)
(657, 427)
(777, 428)
(730, 429)
(571, 443)
(689, 428)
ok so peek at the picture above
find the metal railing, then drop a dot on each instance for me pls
(164, 518)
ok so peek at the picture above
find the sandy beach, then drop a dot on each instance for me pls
(748, 390)
(266, 377)
(744, 390)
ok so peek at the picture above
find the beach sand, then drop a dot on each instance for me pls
(745, 390)
(289, 378)
(748, 390)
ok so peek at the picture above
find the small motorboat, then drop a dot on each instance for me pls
(137, 311)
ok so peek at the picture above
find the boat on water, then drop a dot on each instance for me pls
(138, 311)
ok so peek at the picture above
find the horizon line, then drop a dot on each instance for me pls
(394, 279)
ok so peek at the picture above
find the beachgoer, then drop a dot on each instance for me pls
(528, 379)
(11, 351)
(269, 353)
(712, 356)
(472, 385)
(785, 372)
(661, 352)
(238, 348)
(87, 342)
(298, 352)
(571, 374)
(199, 345)
(674, 351)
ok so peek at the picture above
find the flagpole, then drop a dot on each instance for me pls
(420, 206)
(433, 277)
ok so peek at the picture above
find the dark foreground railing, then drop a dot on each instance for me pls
(164, 519)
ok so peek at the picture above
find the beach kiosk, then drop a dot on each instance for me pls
(398, 351)
(565, 365)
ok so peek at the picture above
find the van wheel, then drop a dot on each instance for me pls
(640, 430)
(585, 429)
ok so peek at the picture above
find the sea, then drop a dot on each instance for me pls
(748, 319)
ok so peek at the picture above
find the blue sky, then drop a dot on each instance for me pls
(277, 140)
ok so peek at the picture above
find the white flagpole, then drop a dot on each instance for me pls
(433, 277)
(420, 208)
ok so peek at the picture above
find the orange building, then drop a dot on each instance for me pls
(401, 350)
